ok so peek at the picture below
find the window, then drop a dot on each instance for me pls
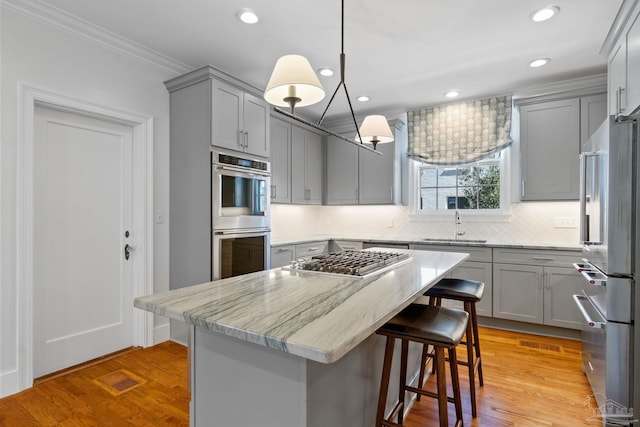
(473, 186)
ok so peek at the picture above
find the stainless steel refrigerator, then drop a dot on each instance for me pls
(609, 234)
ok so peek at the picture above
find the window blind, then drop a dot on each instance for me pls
(459, 133)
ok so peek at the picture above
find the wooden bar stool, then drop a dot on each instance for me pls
(440, 327)
(469, 292)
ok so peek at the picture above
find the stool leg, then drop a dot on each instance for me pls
(403, 379)
(455, 382)
(471, 364)
(384, 381)
(423, 362)
(441, 379)
(476, 342)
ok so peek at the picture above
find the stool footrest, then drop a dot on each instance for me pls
(427, 393)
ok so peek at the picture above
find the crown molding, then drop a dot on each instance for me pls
(582, 86)
(625, 13)
(75, 26)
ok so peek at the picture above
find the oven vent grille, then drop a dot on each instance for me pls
(536, 345)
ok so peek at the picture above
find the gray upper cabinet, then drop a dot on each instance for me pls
(633, 64)
(358, 176)
(240, 120)
(550, 145)
(376, 175)
(342, 172)
(593, 111)
(280, 161)
(623, 48)
(306, 167)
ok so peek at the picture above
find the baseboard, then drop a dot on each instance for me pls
(529, 328)
(161, 333)
(9, 383)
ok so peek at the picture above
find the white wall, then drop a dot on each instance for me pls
(45, 57)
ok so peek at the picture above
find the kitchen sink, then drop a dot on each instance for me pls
(454, 240)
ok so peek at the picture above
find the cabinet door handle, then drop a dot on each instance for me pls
(542, 258)
(619, 108)
(522, 189)
(283, 250)
(241, 138)
(312, 249)
(246, 139)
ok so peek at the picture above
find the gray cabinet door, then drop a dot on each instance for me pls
(341, 172)
(280, 161)
(559, 308)
(298, 165)
(314, 166)
(255, 124)
(227, 116)
(617, 76)
(633, 66)
(550, 145)
(282, 255)
(376, 175)
(518, 292)
(593, 111)
(481, 272)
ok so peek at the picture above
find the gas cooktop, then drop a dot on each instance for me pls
(350, 263)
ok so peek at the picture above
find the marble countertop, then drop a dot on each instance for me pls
(409, 241)
(314, 316)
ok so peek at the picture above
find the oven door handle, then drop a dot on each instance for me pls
(256, 231)
(252, 172)
(590, 322)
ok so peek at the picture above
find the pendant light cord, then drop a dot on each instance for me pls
(342, 83)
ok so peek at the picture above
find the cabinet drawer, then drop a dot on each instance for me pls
(346, 245)
(476, 253)
(311, 249)
(536, 257)
(282, 255)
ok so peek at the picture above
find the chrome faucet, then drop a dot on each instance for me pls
(457, 223)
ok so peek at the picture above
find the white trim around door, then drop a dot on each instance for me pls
(142, 127)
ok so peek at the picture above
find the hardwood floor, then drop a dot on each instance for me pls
(529, 381)
(84, 398)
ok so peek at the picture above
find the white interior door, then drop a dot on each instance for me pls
(82, 283)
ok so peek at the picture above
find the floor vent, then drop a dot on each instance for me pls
(120, 381)
(535, 345)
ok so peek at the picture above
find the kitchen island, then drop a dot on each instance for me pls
(294, 348)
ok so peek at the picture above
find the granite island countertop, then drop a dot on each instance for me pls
(314, 316)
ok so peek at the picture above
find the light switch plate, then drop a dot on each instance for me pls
(566, 223)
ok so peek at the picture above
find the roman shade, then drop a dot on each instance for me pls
(459, 133)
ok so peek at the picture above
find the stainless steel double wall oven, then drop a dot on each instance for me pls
(240, 214)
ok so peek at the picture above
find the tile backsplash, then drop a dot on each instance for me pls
(550, 223)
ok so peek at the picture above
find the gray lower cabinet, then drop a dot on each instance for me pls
(306, 167)
(517, 292)
(282, 255)
(536, 286)
(476, 267)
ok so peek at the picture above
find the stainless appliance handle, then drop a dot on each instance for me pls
(256, 231)
(590, 322)
(248, 172)
(584, 218)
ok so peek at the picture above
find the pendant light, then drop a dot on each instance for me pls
(375, 130)
(294, 83)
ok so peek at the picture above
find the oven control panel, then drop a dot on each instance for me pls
(228, 159)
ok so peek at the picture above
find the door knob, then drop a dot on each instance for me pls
(127, 251)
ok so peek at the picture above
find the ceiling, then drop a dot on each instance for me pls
(401, 53)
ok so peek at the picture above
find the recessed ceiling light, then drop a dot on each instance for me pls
(247, 16)
(363, 98)
(539, 62)
(326, 71)
(545, 13)
(452, 94)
